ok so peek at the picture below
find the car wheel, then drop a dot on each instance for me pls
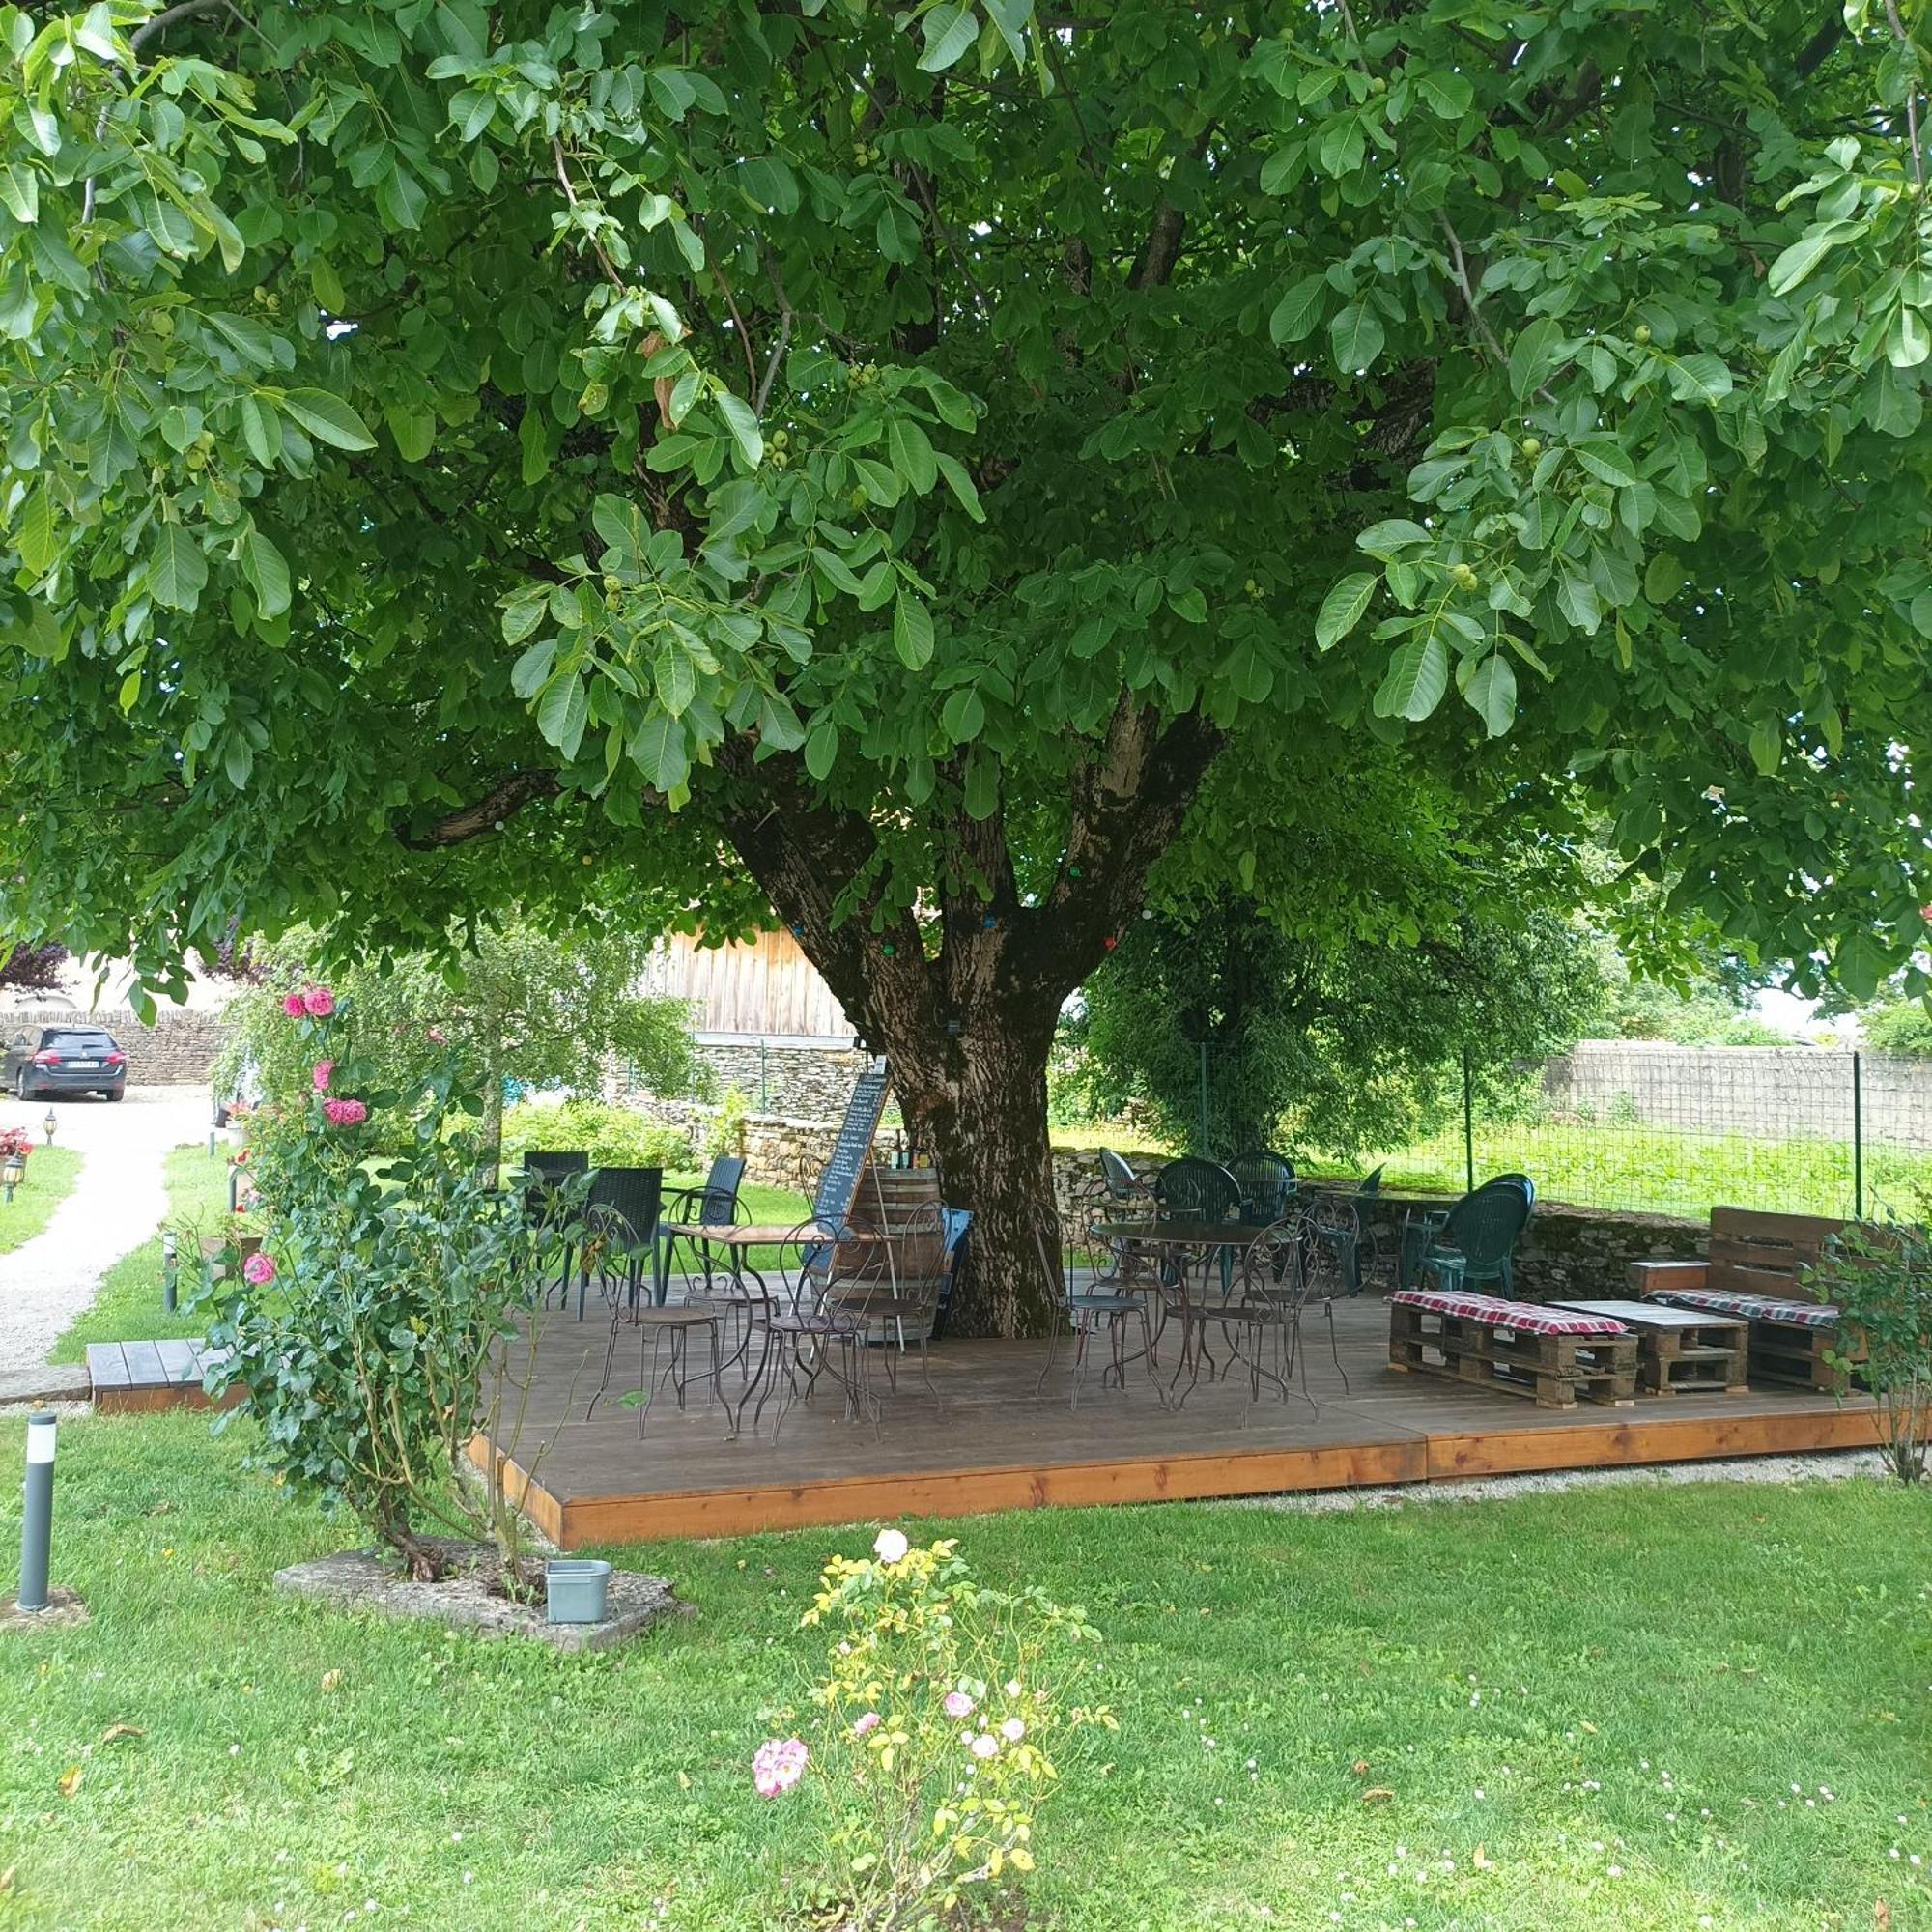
(20, 1092)
(113, 1092)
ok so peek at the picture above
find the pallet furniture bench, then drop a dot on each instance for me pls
(1550, 1354)
(1756, 1272)
(1680, 1350)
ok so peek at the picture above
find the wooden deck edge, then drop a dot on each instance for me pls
(1412, 1458)
(1665, 1438)
(152, 1397)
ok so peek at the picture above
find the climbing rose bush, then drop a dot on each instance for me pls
(931, 1736)
(395, 1280)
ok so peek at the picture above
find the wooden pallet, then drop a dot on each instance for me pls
(1553, 1371)
(1789, 1356)
(1685, 1361)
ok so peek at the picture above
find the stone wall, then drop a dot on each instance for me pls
(1766, 1092)
(177, 1051)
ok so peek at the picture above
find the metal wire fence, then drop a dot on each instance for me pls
(1648, 1127)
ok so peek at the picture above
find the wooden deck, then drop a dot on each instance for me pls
(134, 1378)
(989, 1444)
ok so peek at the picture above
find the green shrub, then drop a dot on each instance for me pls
(1880, 1277)
(612, 1136)
(726, 1134)
(1900, 1026)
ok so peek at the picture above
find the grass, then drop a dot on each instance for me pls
(1588, 1710)
(50, 1175)
(1661, 1170)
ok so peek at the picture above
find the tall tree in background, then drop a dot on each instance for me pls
(908, 470)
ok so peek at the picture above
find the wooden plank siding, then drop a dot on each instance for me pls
(767, 987)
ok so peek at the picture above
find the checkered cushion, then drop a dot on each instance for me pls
(1754, 1307)
(1522, 1318)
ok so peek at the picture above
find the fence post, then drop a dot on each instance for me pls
(1468, 1126)
(1858, 1137)
(1204, 1099)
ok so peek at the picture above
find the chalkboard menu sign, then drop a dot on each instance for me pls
(838, 1185)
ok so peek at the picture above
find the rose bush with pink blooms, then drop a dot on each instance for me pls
(398, 1285)
(927, 1752)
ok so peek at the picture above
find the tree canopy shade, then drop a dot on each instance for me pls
(910, 469)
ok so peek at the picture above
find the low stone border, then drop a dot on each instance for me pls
(364, 1580)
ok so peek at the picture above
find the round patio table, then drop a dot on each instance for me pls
(1202, 1244)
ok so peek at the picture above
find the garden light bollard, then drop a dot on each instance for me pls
(168, 1266)
(37, 1516)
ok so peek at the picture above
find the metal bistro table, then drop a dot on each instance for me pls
(1204, 1247)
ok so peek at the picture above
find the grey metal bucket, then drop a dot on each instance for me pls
(575, 1589)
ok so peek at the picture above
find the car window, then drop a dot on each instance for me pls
(67, 1040)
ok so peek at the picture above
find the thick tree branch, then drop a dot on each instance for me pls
(487, 815)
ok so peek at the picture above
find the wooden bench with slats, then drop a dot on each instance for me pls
(1756, 1267)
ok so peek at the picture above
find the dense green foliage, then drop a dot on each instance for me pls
(612, 1136)
(1332, 1050)
(871, 466)
(1741, 1638)
(1880, 1277)
(1900, 1026)
(519, 1005)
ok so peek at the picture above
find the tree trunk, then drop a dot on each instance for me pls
(981, 1103)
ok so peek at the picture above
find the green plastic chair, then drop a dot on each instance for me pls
(1483, 1228)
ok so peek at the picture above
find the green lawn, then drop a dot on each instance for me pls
(1590, 1710)
(128, 1306)
(50, 1175)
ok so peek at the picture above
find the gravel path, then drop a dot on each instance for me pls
(116, 1205)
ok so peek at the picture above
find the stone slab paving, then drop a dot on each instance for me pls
(117, 1204)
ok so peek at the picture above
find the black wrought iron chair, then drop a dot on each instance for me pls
(622, 1229)
(1267, 1186)
(1292, 1266)
(1122, 1182)
(546, 1175)
(901, 1300)
(1094, 1296)
(818, 1310)
(1193, 1189)
(713, 1205)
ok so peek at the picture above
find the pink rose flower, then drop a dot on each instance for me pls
(1012, 1730)
(437, 1038)
(868, 1722)
(958, 1704)
(345, 1113)
(984, 1745)
(294, 1006)
(324, 1072)
(318, 1003)
(777, 1764)
(258, 1268)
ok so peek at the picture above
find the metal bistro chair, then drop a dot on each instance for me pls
(904, 1295)
(713, 1204)
(819, 1308)
(1267, 1186)
(1120, 1181)
(1193, 1189)
(1481, 1230)
(1289, 1267)
(1107, 1302)
(621, 1218)
(1368, 1198)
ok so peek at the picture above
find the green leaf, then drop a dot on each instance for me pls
(1448, 94)
(261, 431)
(237, 760)
(1663, 578)
(531, 670)
(912, 454)
(414, 431)
(34, 535)
(1491, 694)
(95, 32)
(1702, 375)
(1297, 312)
(949, 30)
(744, 427)
(131, 692)
(1767, 745)
(912, 632)
(562, 713)
(980, 793)
(1908, 343)
(676, 679)
(1608, 461)
(659, 751)
(328, 418)
(20, 191)
(821, 748)
(1357, 337)
(1391, 536)
(1805, 253)
(963, 716)
(1859, 963)
(960, 484)
(1534, 355)
(177, 568)
(1418, 674)
(621, 525)
(1343, 608)
(266, 571)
